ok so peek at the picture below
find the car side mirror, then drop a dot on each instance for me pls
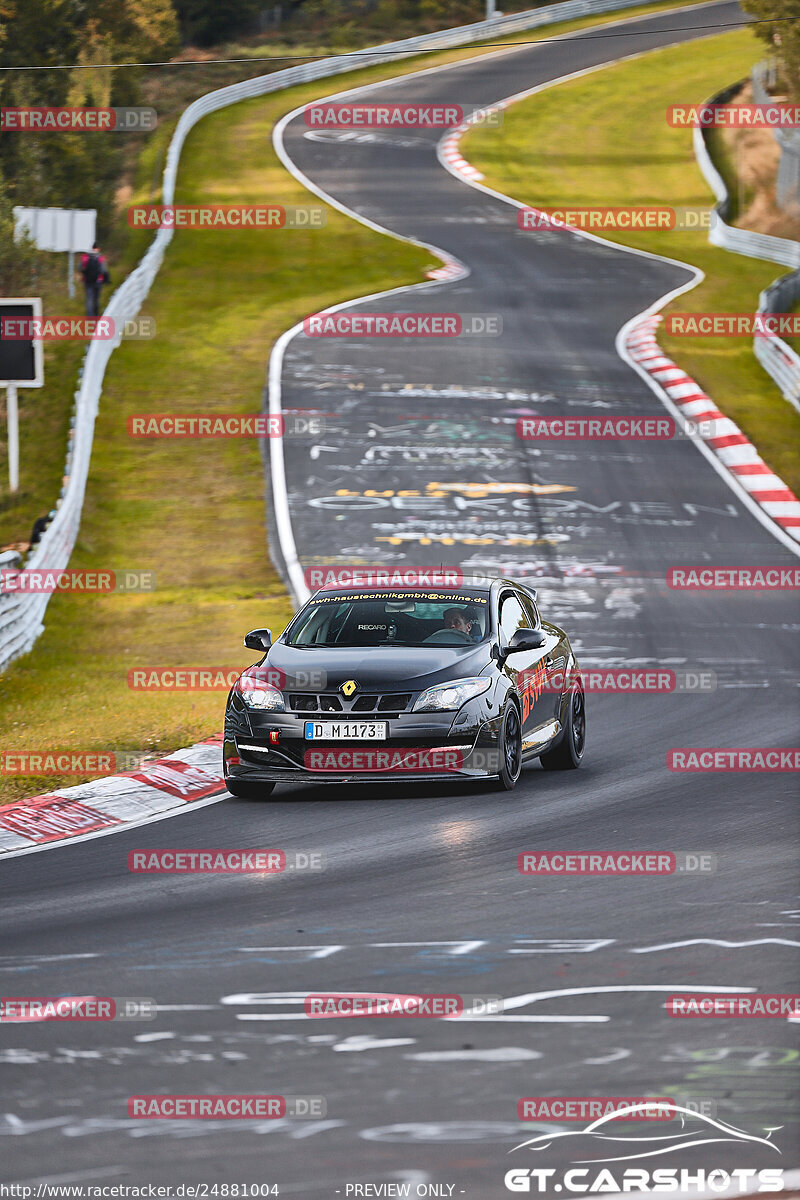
(525, 639)
(258, 639)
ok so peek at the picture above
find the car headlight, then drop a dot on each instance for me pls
(448, 696)
(261, 696)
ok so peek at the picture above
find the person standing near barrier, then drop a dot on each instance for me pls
(94, 273)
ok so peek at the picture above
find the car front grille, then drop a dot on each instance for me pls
(311, 702)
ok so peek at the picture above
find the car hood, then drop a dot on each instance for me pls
(380, 668)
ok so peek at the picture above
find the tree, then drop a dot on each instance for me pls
(781, 31)
(21, 263)
(206, 22)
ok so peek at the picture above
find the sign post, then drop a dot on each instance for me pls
(59, 229)
(21, 365)
(13, 437)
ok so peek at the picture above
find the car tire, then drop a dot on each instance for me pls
(247, 790)
(510, 748)
(567, 755)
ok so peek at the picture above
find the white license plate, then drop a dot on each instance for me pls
(346, 731)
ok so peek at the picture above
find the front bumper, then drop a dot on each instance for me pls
(418, 746)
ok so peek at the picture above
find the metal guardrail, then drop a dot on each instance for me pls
(21, 614)
(777, 359)
(787, 186)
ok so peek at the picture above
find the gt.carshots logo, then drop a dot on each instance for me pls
(581, 1180)
(596, 1144)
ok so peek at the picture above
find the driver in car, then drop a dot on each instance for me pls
(457, 628)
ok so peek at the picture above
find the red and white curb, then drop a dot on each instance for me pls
(450, 270)
(449, 151)
(733, 450)
(156, 790)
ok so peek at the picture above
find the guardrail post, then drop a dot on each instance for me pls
(13, 438)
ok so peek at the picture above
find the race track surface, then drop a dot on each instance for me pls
(420, 889)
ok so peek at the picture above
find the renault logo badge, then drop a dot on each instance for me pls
(348, 688)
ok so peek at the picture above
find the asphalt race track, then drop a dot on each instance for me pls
(420, 890)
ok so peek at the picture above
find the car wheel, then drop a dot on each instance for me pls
(247, 790)
(567, 755)
(510, 748)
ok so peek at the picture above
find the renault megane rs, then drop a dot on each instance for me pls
(406, 683)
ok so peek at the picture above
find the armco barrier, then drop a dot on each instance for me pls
(777, 359)
(21, 615)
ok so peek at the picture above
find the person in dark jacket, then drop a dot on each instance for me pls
(94, 273)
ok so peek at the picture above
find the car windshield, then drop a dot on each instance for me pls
(392, 619)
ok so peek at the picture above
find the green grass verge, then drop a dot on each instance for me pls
(192, 512)
(620, 153)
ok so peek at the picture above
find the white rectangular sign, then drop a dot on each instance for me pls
(61, 229)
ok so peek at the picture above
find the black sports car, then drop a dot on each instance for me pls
(409, 683)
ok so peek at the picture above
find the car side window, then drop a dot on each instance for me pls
(530, 609)
(512, 616)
